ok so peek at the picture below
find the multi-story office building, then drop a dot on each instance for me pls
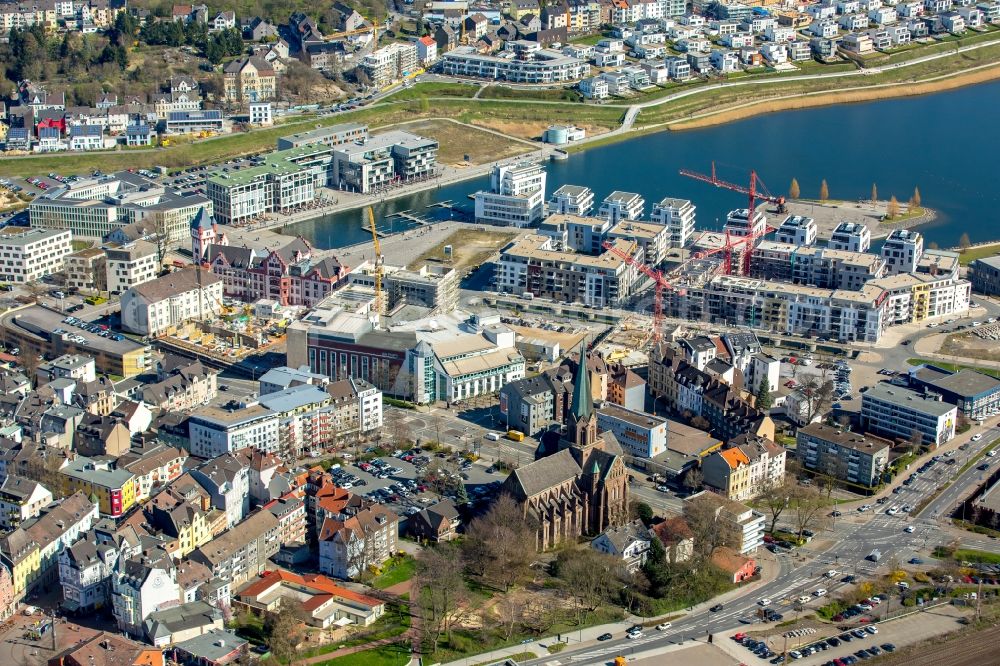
(390, 63)
(902, 251)
(975, 394)
(334, 135)
(95, 207)
(815, 266)
(278, 185)
(640, 434)
(619, 206)
(896, 412)
(796, 230)
(841, 454)
(131, 265)
(27, 255)
(678, 215)
(516, 197)
(215, 431)
(531, 265)
(572, 200)
(538, 66)
(154, 307)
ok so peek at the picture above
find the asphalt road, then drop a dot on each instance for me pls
(854, 537)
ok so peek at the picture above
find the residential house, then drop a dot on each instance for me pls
(366, 539)
(249, 79)
(435, 523)
(629, 543)
(242, 552)
(676, 537)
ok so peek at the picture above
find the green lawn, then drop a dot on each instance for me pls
(587, 40)
(401, 568)
(966, 257)
(981, 556)
(540, 94)
(396, 654)
(436, 90)
(395, 621)
(953, 367)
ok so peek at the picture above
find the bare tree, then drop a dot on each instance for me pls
(710, 530)
(499, 545)
(588, 576)
(694, 478)
(819, 395)
(807, 506)
(439, 589)
(510, 611)
(775, 499)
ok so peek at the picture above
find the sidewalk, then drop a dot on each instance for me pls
(583, 637)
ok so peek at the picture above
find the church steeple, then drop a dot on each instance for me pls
(583, 420)
(583, 398)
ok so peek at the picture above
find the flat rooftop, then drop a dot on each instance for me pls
(907, 399)
(639, 419)
(42, 322)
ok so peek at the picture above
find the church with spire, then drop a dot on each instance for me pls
(578, 484)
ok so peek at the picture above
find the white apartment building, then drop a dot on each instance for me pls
(895, 412)
(131, 265)
(533, 66)
(851, 236)
(139, 588)
(650, 236)
(902, 251)
(796, 230)
(390, 63)
(152, 308)
(214, 431)
(21, 499)
(678, 216)
(738, 223)
(27, 255)
(619, 206)
(747, 523)
(516, 197)
(572, 200)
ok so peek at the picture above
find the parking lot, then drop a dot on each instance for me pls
(412, 480)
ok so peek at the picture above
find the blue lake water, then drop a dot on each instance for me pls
(947, 144)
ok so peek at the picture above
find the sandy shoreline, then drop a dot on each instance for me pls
(827, 98)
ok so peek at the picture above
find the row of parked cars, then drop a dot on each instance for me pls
(97, 329)
(861, 608)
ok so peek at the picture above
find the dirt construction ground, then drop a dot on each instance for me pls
(978, 649)
(470, 247)
(457, 141)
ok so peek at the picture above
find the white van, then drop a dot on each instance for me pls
(493, 437)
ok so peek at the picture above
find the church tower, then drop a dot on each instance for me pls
(582, 419)
(204, 232)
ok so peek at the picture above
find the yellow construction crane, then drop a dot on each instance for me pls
(379, 300)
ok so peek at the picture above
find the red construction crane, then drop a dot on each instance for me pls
(659, 284)
(752, 196)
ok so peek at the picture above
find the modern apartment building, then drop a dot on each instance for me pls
(796, 230)
(619, 206)
(215, 431)
(537, 65)
(390, 63)
(640, 434)
(516, 197)
(130, 265)
(652, 237)
(26, 255)
(892, 411)
(783, 307)
(531, 265)
(86, 270)
(841, 454)
(572, 200)
(678, 215)
(850, 236)
(815, 266)
(334, 135)
(153, 308)
(739, 224)
(369, 164)
(278, 185)
(902, 250)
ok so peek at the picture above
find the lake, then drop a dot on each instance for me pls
(898, 144)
